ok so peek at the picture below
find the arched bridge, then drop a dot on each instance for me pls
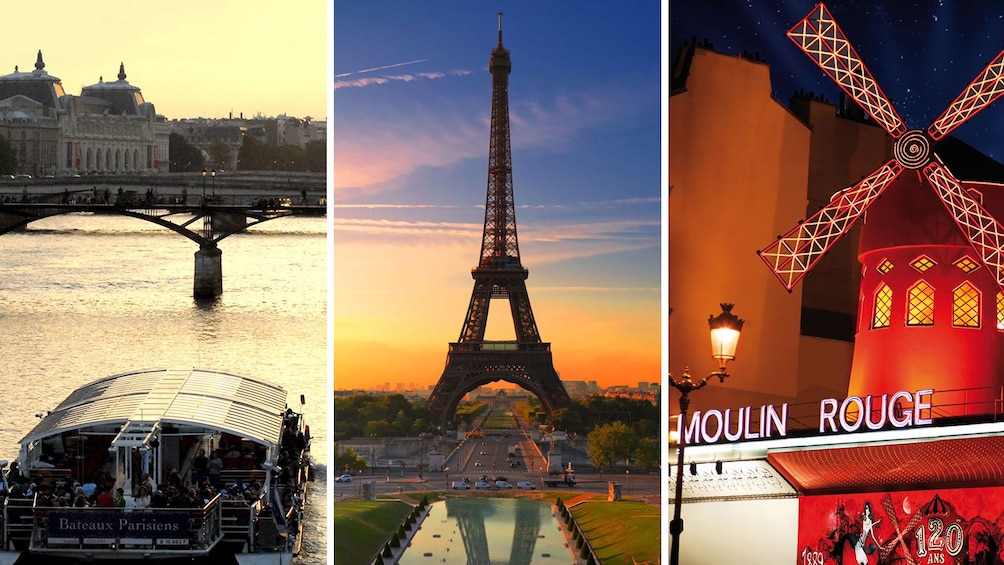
(204, 219)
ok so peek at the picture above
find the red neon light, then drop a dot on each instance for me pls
(795, 253)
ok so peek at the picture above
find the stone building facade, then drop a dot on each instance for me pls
(108, 128)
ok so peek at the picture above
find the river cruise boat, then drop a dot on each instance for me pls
(193, 465)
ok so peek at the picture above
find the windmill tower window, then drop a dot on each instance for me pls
(883, 307)
(885, 266)
(923, 263)
(966, 306)
(966, 264)
(1000, 311)
(920, 307)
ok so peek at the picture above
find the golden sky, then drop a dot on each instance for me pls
(189, 58)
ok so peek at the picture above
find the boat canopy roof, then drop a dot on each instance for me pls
(225, 402)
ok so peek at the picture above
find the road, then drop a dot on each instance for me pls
(494, 456)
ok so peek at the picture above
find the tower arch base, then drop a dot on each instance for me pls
(467, 368)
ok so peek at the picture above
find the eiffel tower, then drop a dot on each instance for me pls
(472, 361)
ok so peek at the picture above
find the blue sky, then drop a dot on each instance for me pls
(412, 103)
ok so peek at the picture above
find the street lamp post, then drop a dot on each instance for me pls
(213, 174)
(203, 187)
(725, 330)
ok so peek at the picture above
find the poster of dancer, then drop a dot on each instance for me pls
(944, 526)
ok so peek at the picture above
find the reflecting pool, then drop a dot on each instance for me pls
(514, 531)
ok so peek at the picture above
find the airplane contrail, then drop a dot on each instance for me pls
(381, 68)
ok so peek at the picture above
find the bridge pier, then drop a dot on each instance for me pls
(208, 272)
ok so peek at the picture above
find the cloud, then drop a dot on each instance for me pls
(373, 150)
(391, 66)
(368, 81)
(551, 242)
(408, 229)
(396, 206)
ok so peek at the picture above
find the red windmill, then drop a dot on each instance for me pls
(938, 238)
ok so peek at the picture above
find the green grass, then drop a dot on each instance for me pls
(363, 526)
(499, 419)
(620, 531)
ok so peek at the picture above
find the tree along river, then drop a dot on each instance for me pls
(83, 297)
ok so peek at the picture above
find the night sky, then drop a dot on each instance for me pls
(921, 53)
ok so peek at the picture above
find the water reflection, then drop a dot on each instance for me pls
(488, 531)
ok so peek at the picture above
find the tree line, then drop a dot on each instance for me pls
(252, 156)
(380, 415)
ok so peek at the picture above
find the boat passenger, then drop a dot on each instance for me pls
(89, 488)
(142, 498)
(119, 501)
(174, 478)
(158, 499)
(149, 483)
(215, 468)
(104, 499)
(200, 467)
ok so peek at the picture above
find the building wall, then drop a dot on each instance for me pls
(758, 531)
(743, 169)
(35, 141)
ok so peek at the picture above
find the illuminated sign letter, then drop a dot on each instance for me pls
(851, 426)
(919, 406)
(705, 436)
(827, 411)
(780, 423)
(692, 433)
(739, 425)
(882, 413)
(894, 408)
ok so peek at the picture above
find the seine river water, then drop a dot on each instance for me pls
(84, 297)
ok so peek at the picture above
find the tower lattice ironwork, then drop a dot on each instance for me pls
(472, 361)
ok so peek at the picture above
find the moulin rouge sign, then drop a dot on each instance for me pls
(902, 409)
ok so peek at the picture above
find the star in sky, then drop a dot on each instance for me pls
(921, 53)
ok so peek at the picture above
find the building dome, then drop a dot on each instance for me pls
(37, 85)
(121, 97)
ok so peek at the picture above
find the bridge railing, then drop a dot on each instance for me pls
(132, 199)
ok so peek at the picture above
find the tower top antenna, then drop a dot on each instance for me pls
(500, 28)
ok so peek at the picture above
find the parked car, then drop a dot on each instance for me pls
(499, 478)
(482, 484)
(477, 463)
(526, 485)
(503, 484)
(344, 479)
(461, 485)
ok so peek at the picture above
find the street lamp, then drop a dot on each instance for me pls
(725, 330)
(213, 173)
(203, 186)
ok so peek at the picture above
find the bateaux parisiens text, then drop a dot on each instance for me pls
(117, 523)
